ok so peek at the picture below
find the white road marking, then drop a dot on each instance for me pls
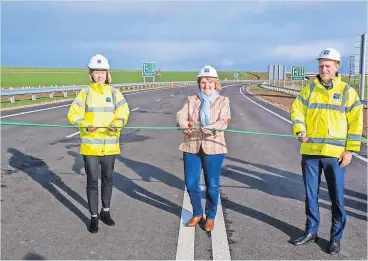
(60, 106)
(71, 135)
(172, 95)
(185, 247)
(282, 118)
(158, 100)
(27, 112)
(354, 154)
(76, 133)
(220, 244)
(164, 88)
(360, 157)
(224, 87)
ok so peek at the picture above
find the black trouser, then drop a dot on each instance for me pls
(92, 165)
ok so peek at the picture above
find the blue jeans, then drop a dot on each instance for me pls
(211, 164)
(312, 167)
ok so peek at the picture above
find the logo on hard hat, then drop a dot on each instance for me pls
(325, 52)
(98, 61)
(206, 70)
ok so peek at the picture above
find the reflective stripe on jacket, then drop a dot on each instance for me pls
(328, 113)
(99, 105)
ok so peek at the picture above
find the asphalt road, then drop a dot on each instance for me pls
(44, 212)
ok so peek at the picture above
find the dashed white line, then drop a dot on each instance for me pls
(220, 244)
(60, 106)
(185, 247)
(135, 109)
(71, 135)
(354, 154)
(27, 112)
(158, 100)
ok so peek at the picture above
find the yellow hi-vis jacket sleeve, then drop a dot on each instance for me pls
(77, 111)
(299, 110)
(354, 115)
(122, 111)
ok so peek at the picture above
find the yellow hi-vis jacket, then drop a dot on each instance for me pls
(99, 105)
(333, 113)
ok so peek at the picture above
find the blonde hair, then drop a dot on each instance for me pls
(216, 80)
(108, 77)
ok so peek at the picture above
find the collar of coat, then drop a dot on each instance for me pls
(335, 81)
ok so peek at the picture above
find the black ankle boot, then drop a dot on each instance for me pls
(334, 247)
(93, 227)
(106, 218)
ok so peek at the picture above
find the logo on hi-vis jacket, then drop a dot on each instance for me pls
(336, 97)
(108, 99)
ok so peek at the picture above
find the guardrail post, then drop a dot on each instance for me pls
(12, 99)
(33, 97)
(51, 95)
(65, 94)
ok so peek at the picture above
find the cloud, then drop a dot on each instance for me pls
(158, 50)
(304, 51)
(227, 62)
(245, 9)
(138, 7)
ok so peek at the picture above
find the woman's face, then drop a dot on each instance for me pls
(99, 76)
(207, 85)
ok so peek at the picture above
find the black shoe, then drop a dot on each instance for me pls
(93, 227)
(334, 247)
(305, 239)
(106, 218)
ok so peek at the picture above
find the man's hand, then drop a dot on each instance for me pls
(91, 128)
(345, 158)
(112, 128)
(302, 136)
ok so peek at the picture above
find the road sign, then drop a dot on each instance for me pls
(277, 72)
(297, 72)
(270, 72)
(361, 59)
(149, 70)
(236, 75)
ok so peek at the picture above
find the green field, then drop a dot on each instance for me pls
(34, 77)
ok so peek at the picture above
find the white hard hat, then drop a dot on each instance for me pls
(98, 61)
(331, 54)
(207, 71)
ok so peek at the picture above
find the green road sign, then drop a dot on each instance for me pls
(297, 72)
(236, 75)
(148, 70)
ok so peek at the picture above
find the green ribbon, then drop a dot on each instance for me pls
(25, 124)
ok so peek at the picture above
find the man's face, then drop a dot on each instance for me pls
(327, 69)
